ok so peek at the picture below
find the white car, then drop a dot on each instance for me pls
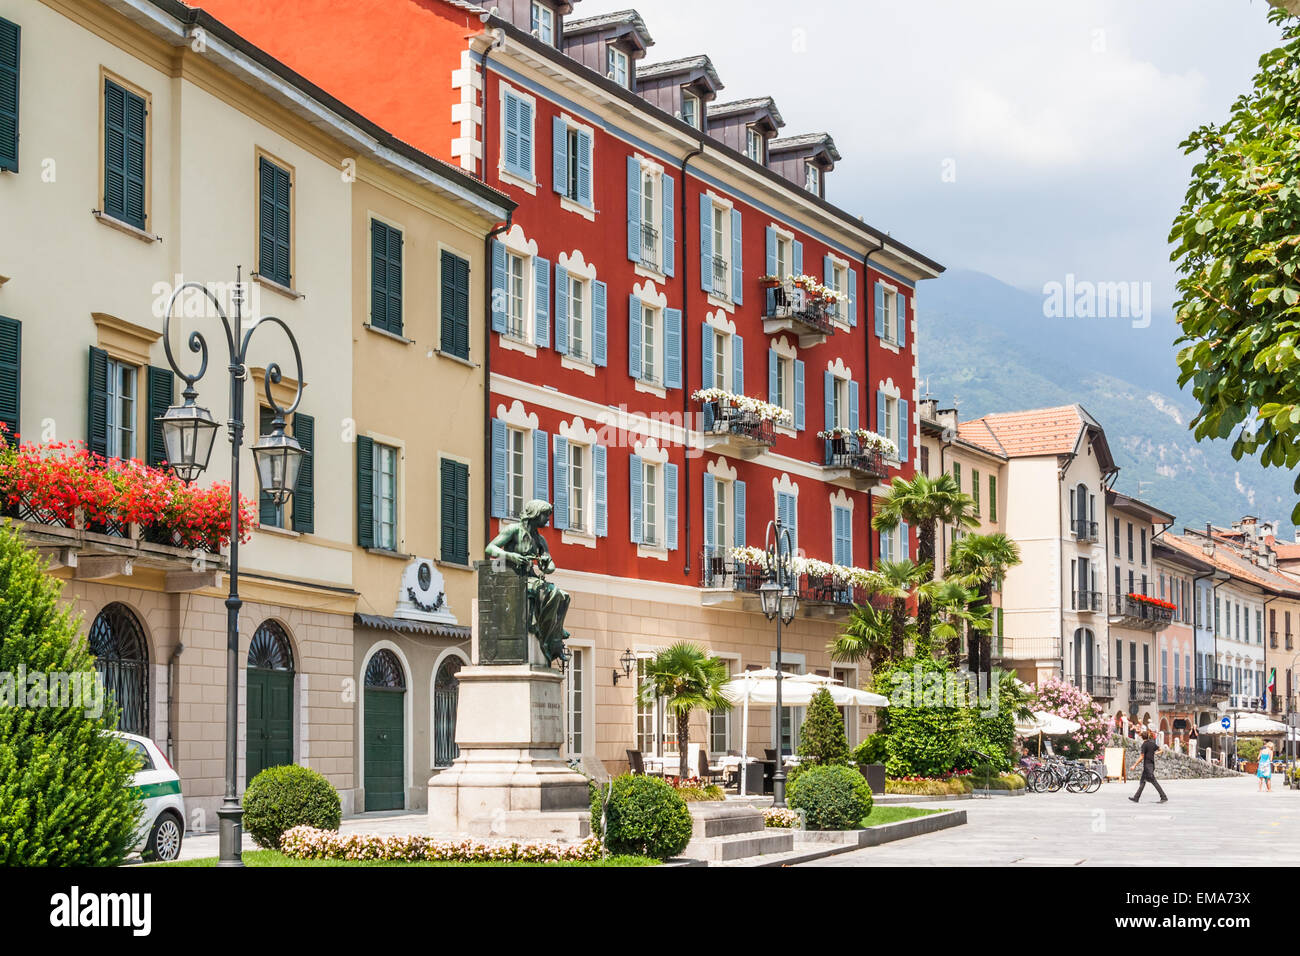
(162, 827)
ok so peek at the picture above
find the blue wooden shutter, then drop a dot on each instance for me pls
(904, 541)
(738, 365)
(771, 251)
(11, 378)
(904, 429)
(559, 155)
(635, 476)
(737, 259)
(773, 370)
(710, 504)
(541, 462)
(828, 271)
(853, 405)
(97, 403)
(560, 517)
(837, 535)
(828, 387)
(738, 533)
(366, 492)
(798, 394)
(600, 489)
(499, 468)
(273, 222)
(585, 162)
(880, 310)
(633, 209)
(634, 336)
(511, 145)
(880, 413)
(304, 495)
(669, 241)
(706, 356)
(706, 242)
(160, 388)
(561, 309)
(670, 506)
(853, 298)
(10, 42)
(454, 304)
(797, 257)
(900, 306)
(499, 293)
(599, 322)
(541, 302)
(672, 348)
(124, 155)
(523, 128)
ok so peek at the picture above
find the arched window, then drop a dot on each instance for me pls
(122, 660)
(385, 670)
(446, 690)
(270, 649)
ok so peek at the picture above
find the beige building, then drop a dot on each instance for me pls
(154, 151)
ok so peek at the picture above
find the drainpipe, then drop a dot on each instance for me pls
(172, 664)
(685, 345)
(866, 382)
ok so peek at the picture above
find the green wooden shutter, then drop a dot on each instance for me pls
(97, 403)
(161, 385)
(268, 512)
(304, 496)
(385, 277)
(124, 155)
(273, 220)
(455, 512)
(11, 377)
(455, 305)
(9, 45)
(365, 492)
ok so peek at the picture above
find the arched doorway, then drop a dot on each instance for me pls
(122, 660)
(269, 698)
(385, 744)
(446, 691)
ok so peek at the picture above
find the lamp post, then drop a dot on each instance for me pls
(780, 599)
(188, 433)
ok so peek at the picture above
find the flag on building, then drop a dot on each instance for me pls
(1272, 680)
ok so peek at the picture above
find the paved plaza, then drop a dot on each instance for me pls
(1221, 822)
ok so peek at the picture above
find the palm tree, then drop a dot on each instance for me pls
(688, 678)
(866, 635)
(955, 610)
(980, 561)
(898, 581)
(925, 503)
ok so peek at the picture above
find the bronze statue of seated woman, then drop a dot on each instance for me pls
(523, 549)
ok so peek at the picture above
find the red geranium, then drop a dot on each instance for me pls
(1153, 601)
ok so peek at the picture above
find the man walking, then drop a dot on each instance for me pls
(1148, 758)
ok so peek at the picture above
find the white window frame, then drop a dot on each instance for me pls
(892, 423)
(529, 182)
(122, 433)
(790, 664)
(653, 531)
(518, 471)
(691, 117)
(720, 722)
(840, 277)
(618, 66)
(812, 178)
(580, 341)
(720, 223)
(723, 504)
(652, 335)
(722, 360)
(840, 400)
(581, 489)
(754, 144)
(784, 256)
(890, 318)
(543, 22)
(380, 451)
(785, 383)
(524, 334)
(577, 684)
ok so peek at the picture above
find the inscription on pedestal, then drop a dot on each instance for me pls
(502, 616)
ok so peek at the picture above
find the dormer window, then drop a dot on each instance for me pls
(812, 180)
(544, 23)
(754, 144)
(617, 65)
(691, 109)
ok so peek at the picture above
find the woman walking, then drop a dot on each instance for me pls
(1265, 770)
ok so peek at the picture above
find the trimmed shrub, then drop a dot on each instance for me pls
(645, 817)
(700, 793)
(874, 749)
(832, 798)
(821, 737)
(65, 784)
(281, 798)
(925, 737)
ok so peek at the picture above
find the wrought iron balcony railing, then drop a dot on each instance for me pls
(1099, 686)
(1088, 602)
(849, 453)
(788, 301)
(1084, 530)
(1210, 690)
(1141, 691)
(719, 571)
(649, 246)
(1017, 648)
(721, 278)
(1138, 613)
(723, 417)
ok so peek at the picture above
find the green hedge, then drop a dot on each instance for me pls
(832, 798)
(280, 798)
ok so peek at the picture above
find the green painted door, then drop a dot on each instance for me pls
(384, 749)
(270, 720)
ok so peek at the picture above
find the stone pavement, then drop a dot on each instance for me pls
(1221, 822)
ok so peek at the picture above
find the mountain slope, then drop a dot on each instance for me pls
(988, 346)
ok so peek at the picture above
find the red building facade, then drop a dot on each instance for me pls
(657, 252)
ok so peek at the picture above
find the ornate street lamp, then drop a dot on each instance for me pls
(188, 434)
(628, 660)
(779, 595)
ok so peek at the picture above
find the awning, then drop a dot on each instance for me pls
(406, 626)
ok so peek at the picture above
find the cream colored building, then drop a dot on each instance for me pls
(197, 154)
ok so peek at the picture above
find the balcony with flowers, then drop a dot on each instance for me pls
(732, 576)
(855, 458)
(1141, 611)
(801, 305)
(737, 424)
(102, 517)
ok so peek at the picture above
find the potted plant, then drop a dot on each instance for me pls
(769, 281)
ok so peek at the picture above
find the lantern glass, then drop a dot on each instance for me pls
(279, 459)
(770, 595)
(188, 434)
(789, 603)
(628, 660)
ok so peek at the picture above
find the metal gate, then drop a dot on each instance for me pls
(446, 691)
(122, 659)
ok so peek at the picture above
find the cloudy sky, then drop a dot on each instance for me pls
(1058, 123)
